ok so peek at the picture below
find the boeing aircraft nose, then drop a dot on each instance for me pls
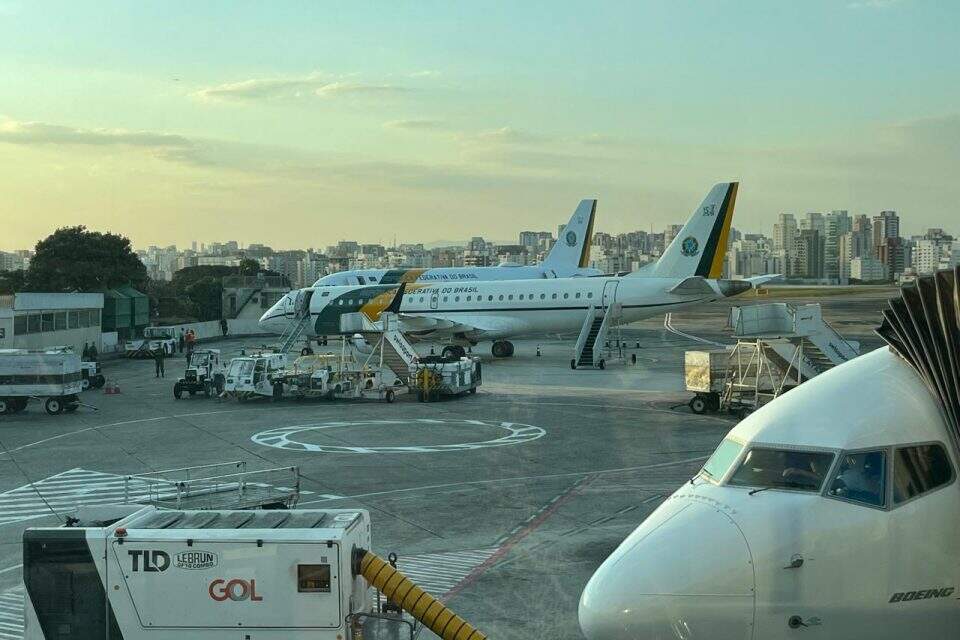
(666, 581)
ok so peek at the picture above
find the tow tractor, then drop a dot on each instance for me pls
(205, 374)
(142, 573)
(91, 374)
(51, 376)
(153, 338)
(256, 375)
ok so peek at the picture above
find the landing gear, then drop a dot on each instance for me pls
(502, 349)
(453, 351)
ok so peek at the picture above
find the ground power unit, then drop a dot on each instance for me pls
(135, 573)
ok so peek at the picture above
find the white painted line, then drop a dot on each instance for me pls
(13, 568)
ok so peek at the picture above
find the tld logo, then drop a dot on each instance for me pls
(149, 560)
(235, 589)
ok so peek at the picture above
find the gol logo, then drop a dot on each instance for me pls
(235, 589)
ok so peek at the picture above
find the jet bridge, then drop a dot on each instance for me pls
(923, 328)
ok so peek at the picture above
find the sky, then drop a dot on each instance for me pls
(298, 124)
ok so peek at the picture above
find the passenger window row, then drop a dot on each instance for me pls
(411, 299)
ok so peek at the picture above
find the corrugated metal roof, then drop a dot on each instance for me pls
(49, 301)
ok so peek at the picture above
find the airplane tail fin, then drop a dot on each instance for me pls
(700, 247)
(572, 250)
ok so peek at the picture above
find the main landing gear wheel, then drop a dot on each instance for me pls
(453, 351)
(502, 349)
(306, 351)
(53, 406)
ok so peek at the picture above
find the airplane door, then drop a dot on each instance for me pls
(609, 292)
(434, 299)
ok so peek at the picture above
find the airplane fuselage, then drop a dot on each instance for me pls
(494, 310)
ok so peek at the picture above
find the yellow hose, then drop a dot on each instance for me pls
(421, 605)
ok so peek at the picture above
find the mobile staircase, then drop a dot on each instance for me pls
(779, 345)
(390, 349)
(301, 319)
(596, 326)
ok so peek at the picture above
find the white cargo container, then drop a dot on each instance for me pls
(139, 572)
(51, 376)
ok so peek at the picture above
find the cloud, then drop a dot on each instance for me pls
(41, 133)
(416, 124)
(359, 88)
(264, 88)
(313, 85)
(426, 73)
(506, 135)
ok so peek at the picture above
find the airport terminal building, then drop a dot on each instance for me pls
(41, 320)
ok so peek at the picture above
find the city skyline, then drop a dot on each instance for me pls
(433, 123)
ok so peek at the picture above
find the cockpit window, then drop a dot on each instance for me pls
(919, 469)
(722, 458)
(783, 469)
(861, 477)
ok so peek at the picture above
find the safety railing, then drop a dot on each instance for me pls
(206, 487)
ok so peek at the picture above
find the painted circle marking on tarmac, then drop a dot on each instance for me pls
(287, 437)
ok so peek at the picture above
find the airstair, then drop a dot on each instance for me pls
(796, 338)
(391, 350)
(593, 334)
(301, 320)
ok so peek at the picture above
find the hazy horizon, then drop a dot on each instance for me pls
(293, 124)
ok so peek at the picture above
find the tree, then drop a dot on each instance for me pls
(75, 259)
(249, 267)
(12, 281)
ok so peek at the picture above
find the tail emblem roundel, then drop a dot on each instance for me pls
(689, 246)
(571, 238)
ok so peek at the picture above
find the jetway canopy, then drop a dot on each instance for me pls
(923, 327)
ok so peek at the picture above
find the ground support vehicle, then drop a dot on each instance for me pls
(91, 375)
(153, 338)
(331, 376)
(254, 376)
(705, 373)
(138, 572)
(205, 373)
(436, 376)
(50, 376)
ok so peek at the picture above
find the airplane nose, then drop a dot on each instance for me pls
(685, 575)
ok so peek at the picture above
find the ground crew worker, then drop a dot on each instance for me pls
(85, 356)
(158, 355)
(180, 341)
(224, 327)
(92, 354)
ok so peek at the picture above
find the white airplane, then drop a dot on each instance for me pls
(465, 313)
(567, 258)
(832, 512)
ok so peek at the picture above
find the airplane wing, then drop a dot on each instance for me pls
(756, 281)
(694, 285)
(473, 326)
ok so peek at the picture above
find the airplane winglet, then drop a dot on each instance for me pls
(394, 306)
